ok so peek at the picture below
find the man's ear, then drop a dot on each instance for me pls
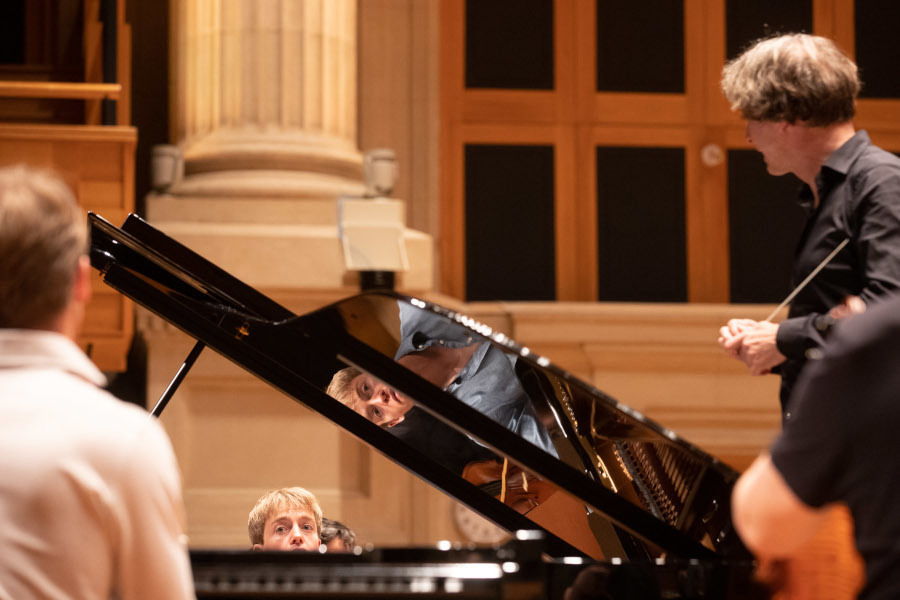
(395, 421)
(81, 288)
(257, 547)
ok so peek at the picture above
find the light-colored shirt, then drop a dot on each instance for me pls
(90, 495)
(488, 382)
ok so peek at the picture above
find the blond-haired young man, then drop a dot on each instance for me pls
(285, 519)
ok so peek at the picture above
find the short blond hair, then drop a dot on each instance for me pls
(279, 500)
(340, 389)
(43, 235)
(793, 77)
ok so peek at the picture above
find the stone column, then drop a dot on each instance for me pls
(264, 110)
(266, 96)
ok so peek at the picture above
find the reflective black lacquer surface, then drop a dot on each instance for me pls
(647, 491)
(500, 429)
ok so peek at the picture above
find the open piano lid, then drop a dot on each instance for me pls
(597, 477)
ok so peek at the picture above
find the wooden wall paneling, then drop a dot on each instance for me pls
(398, 108)
(582, 234)
(695, 53)
(556, 136)
(877, 114)
(452, 239)
(627, 135)
(565, 52)
(123, 66)
(715, 107)
(452, 59)
(423, 205)
(887, 139)
(635, 135)
(384, 58)
(650, 109)
(93, 58)
(452, 235)
(716, 111)
(706, 211)
(844, 31)
(707, 219)
(834, 19)
(98, 165)
(492, 106)
(824, 18)
(584, 231)
(585, 41)
(507, 117)
(570, 249)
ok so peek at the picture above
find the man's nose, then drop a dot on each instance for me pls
(380, 394)
(747, 133)
(296, 535)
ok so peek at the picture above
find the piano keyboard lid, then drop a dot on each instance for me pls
(502, 430)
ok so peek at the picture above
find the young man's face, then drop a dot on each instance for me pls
(290, 529)
(377, 402)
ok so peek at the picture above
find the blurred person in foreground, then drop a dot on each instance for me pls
(841, 447)
(90, 494)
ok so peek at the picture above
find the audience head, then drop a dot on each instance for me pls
(285, 519)
(43, 246)
(793, 78)
(337, 537)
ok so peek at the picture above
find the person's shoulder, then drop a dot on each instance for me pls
(875, 177)
(98, 401)
(878, 326)
(876, 160)
(99, 418)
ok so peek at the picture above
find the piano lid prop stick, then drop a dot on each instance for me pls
(808, 279)
(179, 377)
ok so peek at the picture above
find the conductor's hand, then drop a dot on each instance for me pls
(758, 350)
(731, 335)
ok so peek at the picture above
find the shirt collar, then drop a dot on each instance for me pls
(838, 162)
(841, 159)
(31, 349)
(475, 362)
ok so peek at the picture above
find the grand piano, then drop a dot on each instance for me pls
(583, 483)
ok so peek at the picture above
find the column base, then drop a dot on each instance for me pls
(278, 243)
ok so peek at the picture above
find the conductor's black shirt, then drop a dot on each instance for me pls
(859, 191)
